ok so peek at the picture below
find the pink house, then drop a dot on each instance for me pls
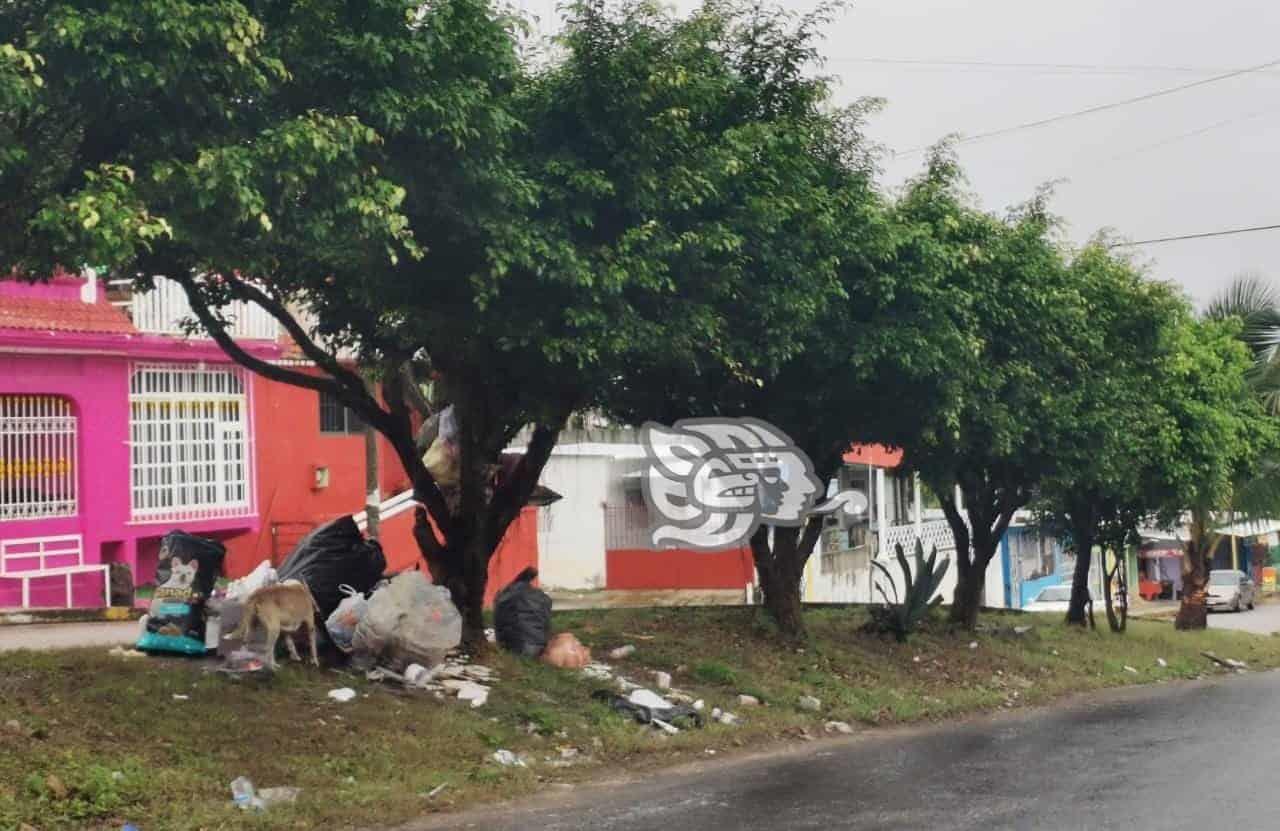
(114, 429)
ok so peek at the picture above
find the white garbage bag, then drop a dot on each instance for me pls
(263, 575)
(408, 620)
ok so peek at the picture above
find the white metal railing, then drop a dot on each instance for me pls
(189, 443)
(37, 457)
(41, 558)
(390, 507)
(935, 533)
(163, 309)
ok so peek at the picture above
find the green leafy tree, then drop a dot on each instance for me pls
(1007, 302)
(1222, 439)
(1109, 472)
(388, 178)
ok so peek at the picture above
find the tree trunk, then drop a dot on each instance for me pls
(1123, 565)
(1080, 609)
(1114, 620)
(1193, 614)
(780, 566)
(476, 578)
(973, 551)
(989, 518)
(967, 599)
(782, 601)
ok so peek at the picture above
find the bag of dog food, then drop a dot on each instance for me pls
(522, 616)
(188, 568)
(331, 556)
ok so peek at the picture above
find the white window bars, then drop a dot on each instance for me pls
(38, 466)
(189, 441)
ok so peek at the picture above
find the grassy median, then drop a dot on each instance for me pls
(90, 740)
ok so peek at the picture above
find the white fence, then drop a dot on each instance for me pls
(37, 457)
(189, 442)
(935, 533)
(163, 309)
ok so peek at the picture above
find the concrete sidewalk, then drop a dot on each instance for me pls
(67, 635)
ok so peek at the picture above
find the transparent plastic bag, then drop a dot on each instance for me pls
(341, 625)
(409, 620)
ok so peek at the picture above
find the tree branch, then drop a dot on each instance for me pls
(425, 488)
(346, 377)
(217, 330)
(514, 491)
(413, 395)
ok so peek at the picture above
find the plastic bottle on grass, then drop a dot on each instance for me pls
(244, 795)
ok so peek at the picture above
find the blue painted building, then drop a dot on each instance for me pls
(1032, 561)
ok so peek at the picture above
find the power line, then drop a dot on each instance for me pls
(1226, 233)
(1101, 69)
(1226, 122)
(1102, 107)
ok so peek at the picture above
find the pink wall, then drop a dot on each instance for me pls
(97, 387)
(91, 371)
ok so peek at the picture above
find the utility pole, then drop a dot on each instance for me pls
(372, 488)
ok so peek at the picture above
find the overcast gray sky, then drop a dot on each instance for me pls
(1201, 160)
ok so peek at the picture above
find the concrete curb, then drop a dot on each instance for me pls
(24, 617)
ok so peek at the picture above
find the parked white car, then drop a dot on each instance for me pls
(1230, 589)
(1058, 599)
(1052, 599)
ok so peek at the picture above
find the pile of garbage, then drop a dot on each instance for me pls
(402, 630)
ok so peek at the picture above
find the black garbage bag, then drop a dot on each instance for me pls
(332, 556)
(522, 616)
(188, 568)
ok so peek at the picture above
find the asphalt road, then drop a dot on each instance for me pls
(1197, 756)
(1262, 620)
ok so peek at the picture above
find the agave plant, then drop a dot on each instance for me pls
(901, 617)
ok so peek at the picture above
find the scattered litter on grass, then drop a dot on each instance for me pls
(436, 791)
(622, 652)
(808, 702)
(565, 651)
(342, 694)
(507, 759)
(648, 698)
(598, 671)
(1229, 663)
(838, 727)
(278, 796)
(121, 652)
(745, 700)
(1162, 662)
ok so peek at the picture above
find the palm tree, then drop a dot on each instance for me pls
(1255, 301)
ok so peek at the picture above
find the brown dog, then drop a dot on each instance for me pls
(283, 607)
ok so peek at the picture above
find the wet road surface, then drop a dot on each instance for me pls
(1200, 755)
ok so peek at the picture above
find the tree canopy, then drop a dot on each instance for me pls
(389, 177)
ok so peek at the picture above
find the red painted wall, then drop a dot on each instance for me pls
(517, 551)
(678, 568)
(288, 446)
